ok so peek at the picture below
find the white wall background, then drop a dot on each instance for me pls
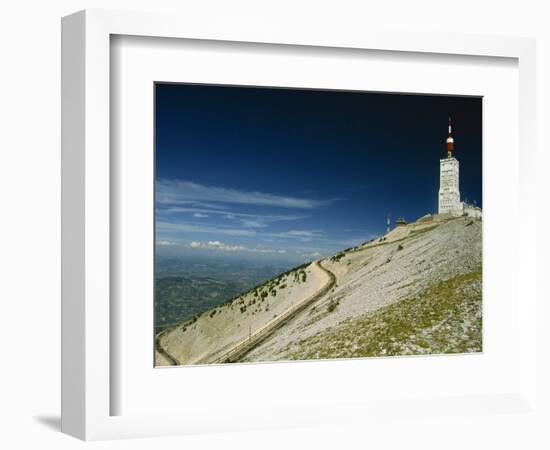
(29, 224)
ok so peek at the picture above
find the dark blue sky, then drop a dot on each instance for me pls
(293, 173)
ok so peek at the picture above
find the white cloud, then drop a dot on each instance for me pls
(165, 243)
(233, 248)
(245, 219)
(184, 227)
(220, 246)
(179, 192)
(302, 235)
(217, 245)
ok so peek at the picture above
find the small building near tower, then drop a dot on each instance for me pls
(471, 211)
(449, 171)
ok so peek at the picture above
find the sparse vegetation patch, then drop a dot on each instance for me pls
(332, 304)
(446, 318)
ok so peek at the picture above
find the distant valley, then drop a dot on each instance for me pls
(185, 288)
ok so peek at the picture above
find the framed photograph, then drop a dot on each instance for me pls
(258, 261)
(285, 223)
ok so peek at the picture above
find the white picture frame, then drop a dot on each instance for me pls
(86, 219)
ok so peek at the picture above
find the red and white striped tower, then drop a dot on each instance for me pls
(450, 141)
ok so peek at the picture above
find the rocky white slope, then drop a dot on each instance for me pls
(416, 290)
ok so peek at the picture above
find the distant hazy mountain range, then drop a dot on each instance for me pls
(186, 287)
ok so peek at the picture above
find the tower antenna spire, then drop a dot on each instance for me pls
(450, 141)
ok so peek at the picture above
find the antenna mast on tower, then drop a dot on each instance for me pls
(388, 223)
(450, 141)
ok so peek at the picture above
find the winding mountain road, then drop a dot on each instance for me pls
(244, 346)
(162, 353)
(241, 348)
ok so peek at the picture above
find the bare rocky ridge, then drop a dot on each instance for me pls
(416, 290)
